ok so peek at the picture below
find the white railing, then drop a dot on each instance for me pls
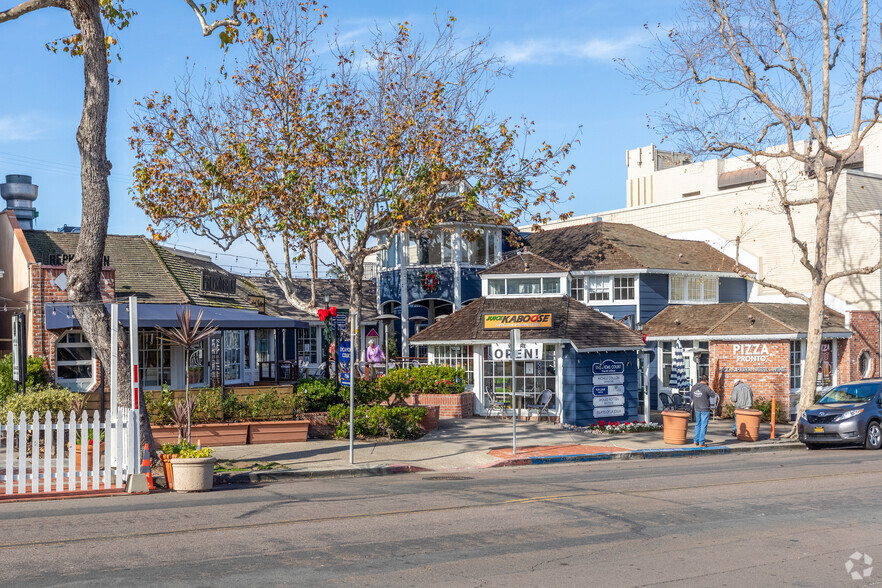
(41, 456)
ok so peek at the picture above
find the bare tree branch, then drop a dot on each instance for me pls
(207, 29)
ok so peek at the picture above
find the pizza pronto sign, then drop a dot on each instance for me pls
(533, 320)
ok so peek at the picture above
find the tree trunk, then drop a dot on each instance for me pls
(84, 272)
(355, 295)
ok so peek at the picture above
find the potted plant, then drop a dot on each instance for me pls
(192, 467)
(187, 336)
(77, 448)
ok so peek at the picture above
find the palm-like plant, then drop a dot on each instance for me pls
(187, 336)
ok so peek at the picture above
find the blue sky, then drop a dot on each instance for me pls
(563, 78)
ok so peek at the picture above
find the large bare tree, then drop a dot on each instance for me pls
(370, 142)
(794, 87)
(92, 19)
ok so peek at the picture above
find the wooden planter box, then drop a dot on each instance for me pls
(456, 406)
(277, 432)
(210, 435)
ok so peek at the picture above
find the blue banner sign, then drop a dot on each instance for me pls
(609, 390)
(609, 367)
(345, 358)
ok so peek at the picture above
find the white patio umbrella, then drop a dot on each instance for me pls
(678, 369)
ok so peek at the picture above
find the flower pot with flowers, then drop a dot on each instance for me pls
(77, 448)
(192, 467)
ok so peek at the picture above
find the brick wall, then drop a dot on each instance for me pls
(773, 382)
(457, 406)
(44, 290)
(865, 337)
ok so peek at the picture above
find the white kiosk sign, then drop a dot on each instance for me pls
(609, 401)
(609, 391)
(608, 379)
(609, 411)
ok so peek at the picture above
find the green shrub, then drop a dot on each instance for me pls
(186, 450)
(316, 395)
(267, 405)
(39, 399)
(160, 405)
(765, 406)
(209, 407)
(437, 379)
(394, 422)
(36, 376)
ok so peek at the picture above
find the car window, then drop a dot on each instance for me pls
(861, 392)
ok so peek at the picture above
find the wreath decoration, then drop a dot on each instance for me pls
(431, 282)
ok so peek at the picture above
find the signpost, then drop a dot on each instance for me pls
(609, 389)
(354, 337)
(515, 342)
(19, 352)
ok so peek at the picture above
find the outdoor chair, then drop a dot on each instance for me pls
(544, 405)
(494, 403)
(680, 402)
(320, 370)
(667, 403)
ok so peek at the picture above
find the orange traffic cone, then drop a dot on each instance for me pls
(145, 467)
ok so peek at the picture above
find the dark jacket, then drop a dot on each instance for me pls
(701, 395)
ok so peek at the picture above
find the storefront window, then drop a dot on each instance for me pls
(795, 365)
(196, 368)
(307, 340)
(265, 353)
(667, 360)
(154, 359)
(460, 356)
(232, 356)
(74, 362)
(693, 289)
(825, 365)
(577, 289)
(531, 377)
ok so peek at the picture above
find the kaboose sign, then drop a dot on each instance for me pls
(535, 320)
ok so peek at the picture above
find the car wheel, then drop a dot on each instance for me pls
(812, 446)
(874, 436)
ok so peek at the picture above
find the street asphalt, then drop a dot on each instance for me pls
(794, 518)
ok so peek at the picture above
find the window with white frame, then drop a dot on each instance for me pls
(599, 289)
(197, 360)
(795, 365)
(461, 356)
(307, 340)
(74, 362)
(523, 286)
(232, 356)
(389, 257)
(154, 359)
(479, 247)
(693, 289)
(623, 288)
(577, 289)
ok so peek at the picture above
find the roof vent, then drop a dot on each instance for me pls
(20, 193)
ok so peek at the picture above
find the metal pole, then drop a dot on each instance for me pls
(514, 343)
(114, 359)
(135, 442)
(352, 359)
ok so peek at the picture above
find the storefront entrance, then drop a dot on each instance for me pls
(535, 372)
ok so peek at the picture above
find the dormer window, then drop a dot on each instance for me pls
(523, 286)
(693, 289)
(603, 289)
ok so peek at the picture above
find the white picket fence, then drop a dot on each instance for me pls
(40, 456)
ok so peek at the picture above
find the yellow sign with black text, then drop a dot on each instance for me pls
(533, 320)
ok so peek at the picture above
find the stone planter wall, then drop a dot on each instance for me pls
(451, 406)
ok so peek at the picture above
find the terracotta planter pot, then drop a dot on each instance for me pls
(78, 456)
(193, 474)
(675, 423)
(168, 470)
(747, 423)
(277, 432)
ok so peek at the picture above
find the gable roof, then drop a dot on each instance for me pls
(337, 290)
(525, 262)
(187, 273)
(572, 321)
(738, 319)
(138, 270)
(614, 246)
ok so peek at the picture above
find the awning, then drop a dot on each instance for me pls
(61, 316)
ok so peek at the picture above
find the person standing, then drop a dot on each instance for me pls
(742, 397)
(702, 399)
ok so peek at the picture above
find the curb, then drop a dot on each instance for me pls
(647, 454)
(257, 477)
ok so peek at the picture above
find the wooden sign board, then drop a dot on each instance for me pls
(534, 320)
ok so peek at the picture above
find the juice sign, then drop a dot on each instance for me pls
(534, 320)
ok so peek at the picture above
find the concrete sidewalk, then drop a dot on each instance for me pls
(467, 443)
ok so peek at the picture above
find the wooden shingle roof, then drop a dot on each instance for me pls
(572, 321)
(613, 246)
(337, 291)
(738, 319)
(525, 262)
